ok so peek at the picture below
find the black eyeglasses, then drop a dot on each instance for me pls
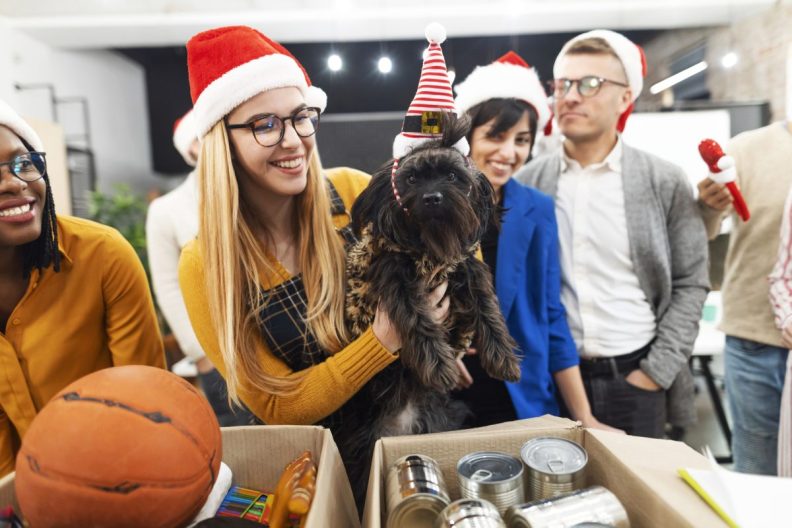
(587, 86)
(28, 167)
(268, 130)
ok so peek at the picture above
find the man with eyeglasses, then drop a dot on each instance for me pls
(633, 246)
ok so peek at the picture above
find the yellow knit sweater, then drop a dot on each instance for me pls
(326, 386)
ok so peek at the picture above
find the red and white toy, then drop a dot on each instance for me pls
(722, 171)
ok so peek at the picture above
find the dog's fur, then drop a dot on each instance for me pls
(399, 258)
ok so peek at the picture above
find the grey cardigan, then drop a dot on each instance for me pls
(668, 246)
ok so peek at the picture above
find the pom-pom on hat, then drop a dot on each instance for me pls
(423, 121)
(630, 54)
(183, 137)
(509, 77)
(229, 65)
(9, 118)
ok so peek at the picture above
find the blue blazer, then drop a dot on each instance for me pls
(528, 285)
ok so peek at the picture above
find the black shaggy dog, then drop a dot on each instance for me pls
(417, 227)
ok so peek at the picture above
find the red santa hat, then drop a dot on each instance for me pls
(509, 77)
(434, 96)
(229, 65)
(10, 119)
(184, 136)
(630, 54)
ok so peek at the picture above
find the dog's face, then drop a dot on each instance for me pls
(446, 204)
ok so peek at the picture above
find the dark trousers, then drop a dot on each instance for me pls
(620, 404)
(216, 391)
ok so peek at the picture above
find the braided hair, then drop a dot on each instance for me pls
(43, 252)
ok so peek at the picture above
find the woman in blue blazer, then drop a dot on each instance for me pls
(507, 106)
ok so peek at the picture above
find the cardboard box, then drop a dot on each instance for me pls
(641, 472)
(257, 455)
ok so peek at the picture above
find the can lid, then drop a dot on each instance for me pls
(556, 456)
(489, 467)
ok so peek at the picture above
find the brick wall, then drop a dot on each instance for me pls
(762, 43)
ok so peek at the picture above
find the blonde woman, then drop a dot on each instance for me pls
(264, 281)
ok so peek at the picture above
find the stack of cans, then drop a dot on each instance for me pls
(492, 476)
(416, 492)
(555, 466)
(470, 513)
(595, 506)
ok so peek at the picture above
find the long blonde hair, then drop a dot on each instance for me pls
(232, 256)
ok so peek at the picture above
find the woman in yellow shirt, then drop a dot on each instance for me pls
(263, 282)
(73, 294)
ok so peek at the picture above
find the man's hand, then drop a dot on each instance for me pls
(714, 195)
(638, 378)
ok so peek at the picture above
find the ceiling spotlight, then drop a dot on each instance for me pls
(385, 65)
(451, 76)
(729, 60)
(334, 62)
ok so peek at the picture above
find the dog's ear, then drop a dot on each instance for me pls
(454, 129)
(377, 205)
(483, 196)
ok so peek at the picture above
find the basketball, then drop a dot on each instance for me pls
(122, 447)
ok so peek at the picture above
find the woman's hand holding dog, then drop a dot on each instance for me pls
(388, 335)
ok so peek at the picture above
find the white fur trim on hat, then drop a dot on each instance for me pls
(625, 49)
(403, 145)
(12, 120)
(247, 80)
(183, 138)
(316, 97)
(504, 81)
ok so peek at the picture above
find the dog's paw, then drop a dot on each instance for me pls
(444, 377)
(433, 363)
(511, 368)
(501, 362)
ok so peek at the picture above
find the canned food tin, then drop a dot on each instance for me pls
(495, 477)
(470, 513)
(415, 492)
(595, 506)
(555, 466)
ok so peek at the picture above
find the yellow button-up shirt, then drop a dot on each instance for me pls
(95, 313)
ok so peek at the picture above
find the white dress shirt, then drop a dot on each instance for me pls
(607, 310)
(171, 223)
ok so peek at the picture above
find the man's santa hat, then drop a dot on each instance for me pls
(630, 54)
(509, 77)
(229, 65)
(10, 119)
(184, 136)
(422, 122)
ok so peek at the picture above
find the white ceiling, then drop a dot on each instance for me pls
(128, 23)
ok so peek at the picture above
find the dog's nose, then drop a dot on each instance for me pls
(432, 198)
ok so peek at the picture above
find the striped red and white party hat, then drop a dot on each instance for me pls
(423, 121)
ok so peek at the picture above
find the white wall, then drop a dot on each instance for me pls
(114, 87)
